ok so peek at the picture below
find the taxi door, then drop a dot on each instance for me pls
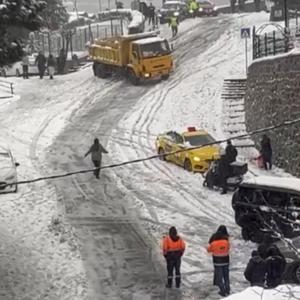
(169, 142)
(178, 145)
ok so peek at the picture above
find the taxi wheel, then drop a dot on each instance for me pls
(188, 165)
(296, 273)
(161, 152)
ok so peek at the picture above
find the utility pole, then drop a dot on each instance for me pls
(286, 21)
(100, 6)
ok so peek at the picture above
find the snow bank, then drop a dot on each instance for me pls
(136, 18)
(282, 292)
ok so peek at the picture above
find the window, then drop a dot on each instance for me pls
(155, 49)
(198, 140)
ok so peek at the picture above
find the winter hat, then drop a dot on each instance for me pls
(222, 230)
(172, 232)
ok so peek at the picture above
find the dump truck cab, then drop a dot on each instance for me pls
(149, 58)
(141, 56)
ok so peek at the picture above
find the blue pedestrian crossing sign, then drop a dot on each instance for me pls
(245, 33)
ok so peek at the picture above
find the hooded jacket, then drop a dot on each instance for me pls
(173, 246)
(256, 271)
(219, 246)
(96, 150)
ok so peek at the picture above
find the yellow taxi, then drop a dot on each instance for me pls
(196, 160)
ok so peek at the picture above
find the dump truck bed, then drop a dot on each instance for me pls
(115, 50)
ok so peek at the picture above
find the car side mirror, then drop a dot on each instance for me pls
(17, 164)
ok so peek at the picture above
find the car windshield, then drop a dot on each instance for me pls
(205, 3)
(174, 6)
(198, 140)
(155, 49)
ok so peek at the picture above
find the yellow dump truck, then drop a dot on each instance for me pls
(140, 56)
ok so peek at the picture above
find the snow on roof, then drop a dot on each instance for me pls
(149, 40)
(291, 183)
(174, 2)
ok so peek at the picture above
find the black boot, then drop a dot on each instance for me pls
(169, 283)
(177, 280)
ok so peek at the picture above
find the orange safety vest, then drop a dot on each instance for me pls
(219, 248)
(169, 245)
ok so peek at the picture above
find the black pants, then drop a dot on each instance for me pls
(25, 72)
(174, 263)
(222, 279)
(41, 72)
(267, 162)
(97, 164)
(151, 20)
(174, 30)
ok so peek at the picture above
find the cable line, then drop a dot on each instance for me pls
(129, 162)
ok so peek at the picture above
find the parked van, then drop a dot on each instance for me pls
(266, 205)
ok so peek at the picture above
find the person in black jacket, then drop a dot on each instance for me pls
(275, 267)
(223, 172)
(40, 61)
(266, 152)
(256, 270)
(221, 233)
(231, 152)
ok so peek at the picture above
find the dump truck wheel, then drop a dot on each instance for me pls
(165, 77)
(133, 78)
(100, 70)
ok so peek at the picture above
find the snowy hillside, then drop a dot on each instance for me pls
(82, 238)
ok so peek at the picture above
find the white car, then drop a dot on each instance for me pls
(8, 171)
(16, 69)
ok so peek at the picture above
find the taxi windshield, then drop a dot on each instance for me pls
(155, 49)
(198, 140)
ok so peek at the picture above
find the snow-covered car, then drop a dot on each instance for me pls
(16, 69)
(206, 8)
(8, 171)
(289, 249)
(170, 9)
(265, 206)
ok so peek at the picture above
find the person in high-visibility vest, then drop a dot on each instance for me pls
(173, 23)
(193, 6)
(173, 248)
(219, 247)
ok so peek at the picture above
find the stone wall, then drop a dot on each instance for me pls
(273, 96)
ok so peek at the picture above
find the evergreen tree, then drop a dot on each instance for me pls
(54, 15)
(16, 17)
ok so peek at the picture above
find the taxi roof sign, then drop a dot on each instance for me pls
(245, 33)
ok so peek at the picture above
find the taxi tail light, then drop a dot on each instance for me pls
(191, 129)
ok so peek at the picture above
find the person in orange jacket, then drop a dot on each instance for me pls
(173, 248)
(219, 247)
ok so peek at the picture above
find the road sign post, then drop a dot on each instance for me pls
(245, 34)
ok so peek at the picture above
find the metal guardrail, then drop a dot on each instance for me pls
(7, 86)
(272, 43)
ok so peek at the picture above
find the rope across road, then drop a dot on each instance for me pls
(139, 160)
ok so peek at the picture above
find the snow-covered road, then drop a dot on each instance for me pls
(119, 220)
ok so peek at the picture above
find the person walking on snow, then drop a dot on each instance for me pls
(151, 14)
(41, 63)
(266, 152)
(173, 248)
(173, 23)
(96, 151)
(51, 65)
(219, 247)
(25, 65)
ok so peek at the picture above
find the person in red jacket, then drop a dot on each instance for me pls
(219, 247)
(173, 248)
